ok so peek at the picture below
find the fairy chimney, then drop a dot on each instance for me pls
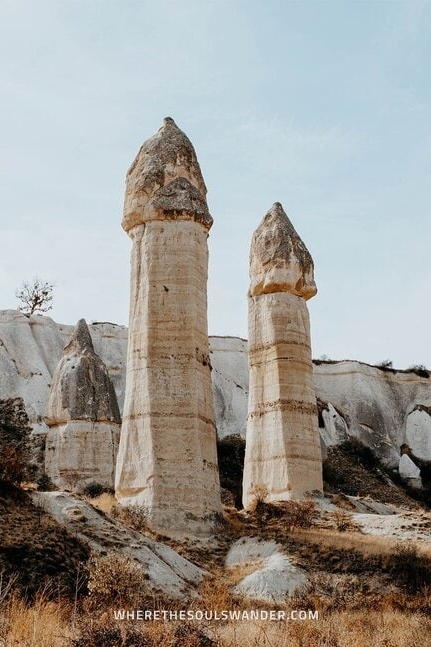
(83, 418)
(167, 460)
(283, 456)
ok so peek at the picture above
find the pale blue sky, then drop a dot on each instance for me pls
(323, 106)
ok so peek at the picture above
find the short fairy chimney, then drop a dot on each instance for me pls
(83, 418)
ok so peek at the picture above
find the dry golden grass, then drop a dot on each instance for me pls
(50, 624)
(43, 624)
(396, 621)
(366, 544)
(359, 600)
(104, 502)
(345, 629)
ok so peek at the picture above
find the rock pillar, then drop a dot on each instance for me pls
(167, 460)
(83, 418)
(283, 455)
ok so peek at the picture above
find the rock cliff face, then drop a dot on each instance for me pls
(372, 405)
(230, 384)
(378, 407)
(282, 455)
(31, 348)
(167, 459)
(83, 417)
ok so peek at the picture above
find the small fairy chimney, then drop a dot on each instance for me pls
(83, 417)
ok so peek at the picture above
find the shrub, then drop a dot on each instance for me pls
(14, 441)
(133, 516)
(410, 570)
(343, 521)
(115, 577)
(187, 635)
(300, 514)
(101, 634)
(94, 489)
(44, 483)
(420, 370)
(385, 365)
(230, 454)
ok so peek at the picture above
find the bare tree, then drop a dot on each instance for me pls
(35, 296)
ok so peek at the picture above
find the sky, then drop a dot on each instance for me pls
(324, 106)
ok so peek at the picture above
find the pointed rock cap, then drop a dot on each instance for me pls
(279, 260)
(81, 387)
(165, 181)
(81, 341)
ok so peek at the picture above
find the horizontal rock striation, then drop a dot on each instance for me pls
(283, 456)
(167, 460)
(83, 417)
(372, 405)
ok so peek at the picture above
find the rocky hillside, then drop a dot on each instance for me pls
(384, 408)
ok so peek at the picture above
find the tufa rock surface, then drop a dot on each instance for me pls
(283, 455)
(167, 459)
(274, 577)
(81, 387)
(409, 472)
(167, 571)
(418, 432)
(165, 180)
(279, 260)
(83, 417)
(380, 407)
(375, 404)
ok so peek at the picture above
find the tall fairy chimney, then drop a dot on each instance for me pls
(167, 460)
(283, 456)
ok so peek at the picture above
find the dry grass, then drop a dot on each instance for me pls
(43, 624)
(358, 588)
(104, 502)
(358, 629)
(37, 549)
(51, 624)
(365, 544)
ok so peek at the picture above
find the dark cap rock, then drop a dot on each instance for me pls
(165, 181)
(81, 387)
(279, 260)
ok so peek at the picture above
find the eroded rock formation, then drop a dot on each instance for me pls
(167, 459)
(409, 472)
(83, 417)
(165, 569)
(283, 456)
(418, 432)
(375, 404)
(378, 406)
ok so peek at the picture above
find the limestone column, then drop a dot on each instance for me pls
(167, 460)
(283, 456)
(83, 417)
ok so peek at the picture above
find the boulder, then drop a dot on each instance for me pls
(418, 432)
(273, 578)
(409, 472)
